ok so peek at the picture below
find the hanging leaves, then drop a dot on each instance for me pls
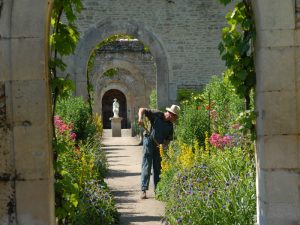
(236, 48)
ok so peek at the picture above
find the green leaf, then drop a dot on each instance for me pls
(221, 47)
(57, 63)
(242, 75)
(225, 2)
(73, 200)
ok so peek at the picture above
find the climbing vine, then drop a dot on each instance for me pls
(237, 50)
(63, 39)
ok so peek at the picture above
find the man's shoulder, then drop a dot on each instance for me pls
(155, 112)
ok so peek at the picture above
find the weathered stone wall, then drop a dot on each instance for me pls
(182, 36)
(189, 30)
(136, 75)
(278, 107)
(7, 186)
(26, 176)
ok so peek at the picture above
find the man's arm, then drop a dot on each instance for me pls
(140, 115)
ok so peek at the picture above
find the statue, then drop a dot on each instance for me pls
(116, 106)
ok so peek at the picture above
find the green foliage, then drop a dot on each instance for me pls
(63, 86)
(225, 2)
(192, 124)
(75, 110)
(236, 48)
(96, 207)
(219, 189)
(184, 94)
(63, 40)
(111, 72)
(80, 167)
(208, 175)
(153, 99)
(223, 104)
(214, 109)
(248, 120)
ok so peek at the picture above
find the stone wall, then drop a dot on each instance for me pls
(136, 75)
(278, 108)
(7, 186)
(26, 175)
(182, 35)
(189, 30)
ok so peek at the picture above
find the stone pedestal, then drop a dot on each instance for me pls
(116, 126)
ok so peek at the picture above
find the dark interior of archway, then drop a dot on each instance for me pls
(107, 101)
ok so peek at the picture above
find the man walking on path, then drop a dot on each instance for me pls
(161, 132)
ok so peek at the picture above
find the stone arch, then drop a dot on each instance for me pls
(26, 167)
(107, 28)
(128, 95)
(133, 79)
(107, 113)
(28, 115)
(277, 106)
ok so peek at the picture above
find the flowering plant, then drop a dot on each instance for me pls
(220, 142)
(64, 128)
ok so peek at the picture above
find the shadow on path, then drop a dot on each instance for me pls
(124, 181)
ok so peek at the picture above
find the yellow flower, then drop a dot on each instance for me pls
(186, 156)
(161, 150)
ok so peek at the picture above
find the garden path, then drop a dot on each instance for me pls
(124, 158)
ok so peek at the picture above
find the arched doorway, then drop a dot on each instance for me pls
(107, 28)
(107, 101)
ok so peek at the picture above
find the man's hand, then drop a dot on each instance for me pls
(141, 123)
(140, 116)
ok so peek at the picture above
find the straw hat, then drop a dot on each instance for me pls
(175, 109)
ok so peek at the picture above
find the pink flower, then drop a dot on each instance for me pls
(73, 136)
(220, 142)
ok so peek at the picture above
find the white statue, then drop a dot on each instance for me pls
(116, 106)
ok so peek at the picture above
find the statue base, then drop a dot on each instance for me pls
(116, 126)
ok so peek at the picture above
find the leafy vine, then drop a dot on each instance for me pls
(237, 49)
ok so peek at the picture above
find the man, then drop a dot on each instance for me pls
(161, 132)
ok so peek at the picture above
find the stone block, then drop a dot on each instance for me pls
(33, 152)
(278, 187)
(116, 126)
(275, 38)
(278, 113)
(33, 95)
(6, 154)
(172, 92)
(5, 18)
(35, 202)
(30, 18)
(81, 89)
(275, 69)
(279, 152)
(23, 59)
(4, 59)
(297, 37)
(7, 202)
(283, 214)
(274, 14)
(298, 109)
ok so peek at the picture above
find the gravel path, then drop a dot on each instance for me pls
(124, 158)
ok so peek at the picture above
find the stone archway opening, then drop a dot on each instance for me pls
(108, 28)
(123, 63)
(107, 101)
